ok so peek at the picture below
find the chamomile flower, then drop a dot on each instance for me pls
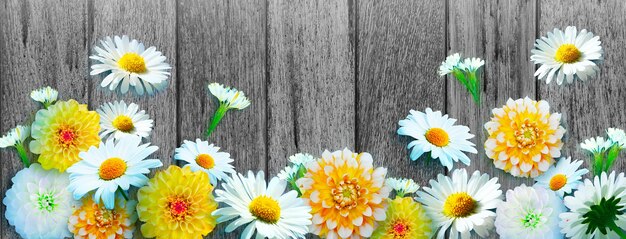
(597, 209)
(566, 56)
(402, 186)
(617, 136)
(129, 64)
(438, 135)
(595, 145)
(119, 120)
(288, 172)
(15, 137)
(563, 178)
(231, 97)
(449, 64)
(301, 158)
(472, 64)
(46, 96)
(532, 212)
(202, 156)
(460, 204)
(111, 166)
(263, 207)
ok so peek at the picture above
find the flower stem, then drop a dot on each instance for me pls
(611, 156)
(617, 230)
(294, 186)
(400, 194)
(597, 165)
(123, 193)
(219, 114)
(21, 151)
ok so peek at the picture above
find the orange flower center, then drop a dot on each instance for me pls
(567, 53)
(437, 137)
(179, 208)
(66, 136)
(528, 134)
(132, 62)
(123, 123)
(265, 209)
(205, 161)
(104, 217)
(347, 193)
(459, 205)
(557, 182)
(112, 168)
(399, 229)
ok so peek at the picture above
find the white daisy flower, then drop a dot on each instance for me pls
(568, 55)
(562, 178)
(263, 207)
(201, 156)
(231, 97)
(45, 95)
(449, 64)
(288, 172)
(402, 186)
(438, 135)
(617, 136)
(119, 120)
(39, 204)
(528, 211)
(472, 64)
(597, 209)
(15, 136)
(460, 204)
(110, 166)
(129, 64)
(595, 145)
(301, 158)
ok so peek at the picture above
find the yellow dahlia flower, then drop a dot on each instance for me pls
(92, 220)
(346, 194)
(177, 203)
(61, 131)
(406, 219)
(524, 137)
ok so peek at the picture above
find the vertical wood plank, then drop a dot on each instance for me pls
(41, 43)
(311, 78)
(502, 33)
(224, 41)
(590, 107)
(400, 45)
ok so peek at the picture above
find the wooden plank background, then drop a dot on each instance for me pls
(323, 74)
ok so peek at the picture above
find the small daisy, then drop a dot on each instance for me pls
(597, 209)
(460, 204)
(528, 211)
(301, 159)
(263, 207)
(46, 96)
(130, 64)
(207, 158)
(111, 166)
(15, 137)
(472, 64)
(563, 178)
(595, 145)
(229, 98)
(402, 186)
(299, 162)
(617, 136)
(118, 120)
(438, 135)
(288, 172)
(566, 56)
(449, 64)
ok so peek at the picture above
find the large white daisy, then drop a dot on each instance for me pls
(110, 166)
(201, 155)
(563, 178)
(460, 204)
(531, 212)
(39, 204)
(129, 64)
(597, 209)
(263, 207)
(568, 55)
(438, 135)
(118, 120)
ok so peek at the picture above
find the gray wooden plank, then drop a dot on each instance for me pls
(224, 41)
(502, 33)
(590, 107)
(42, 43)
(311, 79)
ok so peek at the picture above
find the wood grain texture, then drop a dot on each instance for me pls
(398, 55)
(589, 108)
(311, 84)
(43, 43)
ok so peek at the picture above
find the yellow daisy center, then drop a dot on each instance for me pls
(459, 205)
(399, 229)
(112, 168)
(346, 193)
(265, 209)
(527, 134)
(123, 123)
(437, 137)
(567, 53)
(205, 161)
(179, 208)
(66, 136)
(557, 182)
(132, 62)
(104, 217)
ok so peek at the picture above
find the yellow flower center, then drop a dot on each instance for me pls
(66, 136)
(346, 193)
(179, 207)
(437, 137)
(557, 182)
(132, 62)
(567, 53)
(399, 229)
(527, 135)
(105, 217)
(205, 161)
(265, 209)
(112, 168)
(459, 205)
(123, 123)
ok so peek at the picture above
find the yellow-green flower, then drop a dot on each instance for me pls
(406, 219)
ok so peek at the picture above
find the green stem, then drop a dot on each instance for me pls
(458, 74)
(123, 193)
(611, 156)
(617, 230)
(475, 86)
(219, 114)
(597, 165)
(294, 186)
(21, 151)
(400, 194)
